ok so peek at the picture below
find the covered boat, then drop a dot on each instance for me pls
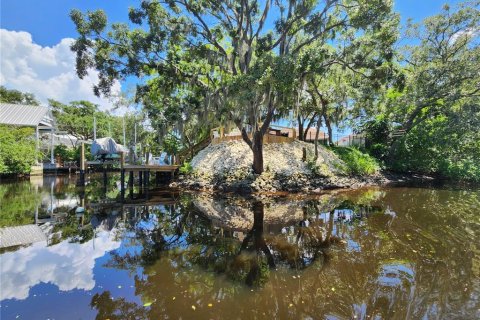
(105, 146)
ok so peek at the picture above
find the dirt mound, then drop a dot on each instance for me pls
(279, 158)
(228, 167)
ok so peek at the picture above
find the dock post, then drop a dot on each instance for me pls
(81, 180)
(130, 184)
(140, 179)
(130, 179)
(122, 176)
(105, 178)
(146, 179)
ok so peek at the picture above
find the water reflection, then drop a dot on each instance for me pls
(373, 253)
(66, 265)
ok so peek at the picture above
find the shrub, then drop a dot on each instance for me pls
(461, 170)
(357, 162)
(440, 147)
(186, 168)
(65, 153)
(17, 149)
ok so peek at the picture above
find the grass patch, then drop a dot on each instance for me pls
(357, 162)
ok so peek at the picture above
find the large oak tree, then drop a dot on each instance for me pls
(238, 57)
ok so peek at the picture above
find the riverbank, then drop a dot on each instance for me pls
(226, 167)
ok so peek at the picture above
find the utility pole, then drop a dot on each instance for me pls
(37, 144)
(124, 140)
(52, 156)
(135, 142)
(135, 139)
(94, 128)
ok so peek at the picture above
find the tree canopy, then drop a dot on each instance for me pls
(15, 96)
(218, 56)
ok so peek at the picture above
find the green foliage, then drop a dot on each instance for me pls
(72, 154)
(437, 106)
(76, 118)
(186, 168)
(15, 96)
(216, 58)
(358, 163)
(448, 146)
(17, 145)
(78, 153)
(64, 153)
(171, 144)
(378, 137)
(17, 149)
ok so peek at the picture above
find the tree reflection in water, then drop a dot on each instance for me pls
(249, 263)
(116, 309)
(186, 258)
(415, 256)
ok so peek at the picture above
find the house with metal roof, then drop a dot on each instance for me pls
(26, 115)
(39, 117)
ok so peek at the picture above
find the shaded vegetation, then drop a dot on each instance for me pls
(357, 162)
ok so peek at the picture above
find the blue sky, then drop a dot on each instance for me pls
(36, 36)
(48, 21)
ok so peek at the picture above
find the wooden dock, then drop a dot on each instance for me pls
(143, 172)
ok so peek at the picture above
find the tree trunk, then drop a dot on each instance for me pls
(256, 143)
(257, 149)
(319, 124)
(309, 125)
(300, 128)
(329, 128)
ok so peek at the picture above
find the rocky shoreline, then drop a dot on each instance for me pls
(304, 184)
(226, 168)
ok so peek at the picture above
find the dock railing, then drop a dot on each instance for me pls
(218, 136)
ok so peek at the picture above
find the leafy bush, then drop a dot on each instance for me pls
(186, 168)
(464, 169)
(442, 145)
(65, 153)
(171, 144)
(357, 162)
(77, 154)
(17, 149)
(378, 137)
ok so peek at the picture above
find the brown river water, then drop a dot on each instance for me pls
(373, 253)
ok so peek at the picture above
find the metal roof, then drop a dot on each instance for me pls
(25, 115)
(21, 235)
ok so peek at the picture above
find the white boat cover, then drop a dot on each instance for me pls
(106, 146)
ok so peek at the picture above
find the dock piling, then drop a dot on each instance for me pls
(122, 176)
(81, 180)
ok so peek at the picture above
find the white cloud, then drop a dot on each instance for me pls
(47, 72)
(469, 32)
(66, 265)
